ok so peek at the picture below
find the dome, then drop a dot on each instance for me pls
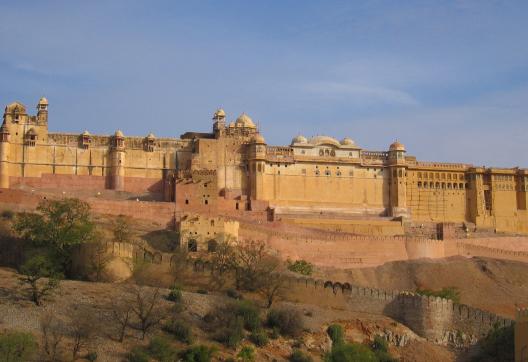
(16, 106)
(232, 125)
(220, 113)
(43, 101)
(86, 133)
(324, 140)
(257, 138)
(118, 133)
(347, 142)
(397, 146)
(245, 121)
(299, 139)
(151, 136)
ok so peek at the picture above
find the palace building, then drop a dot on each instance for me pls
(232, 168)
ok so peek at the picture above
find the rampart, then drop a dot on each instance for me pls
(439, 320)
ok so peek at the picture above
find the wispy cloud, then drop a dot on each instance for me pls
(361, 94)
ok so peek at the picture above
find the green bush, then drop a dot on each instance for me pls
(446, 293)
(138, 354)
(259, 338)
(381, 350)
(160, 349)
(180, 330)
(246, 354)
(299, 356)
(275, 333)
(17, 347)
(335, 331)
(250, 314)
(288, 321)
(92, 356)
(350, 352)
(232, 334)
(301, 266)
(202, 291)
(199, 353)
(175, 294)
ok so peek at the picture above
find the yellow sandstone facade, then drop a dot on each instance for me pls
(232, 168)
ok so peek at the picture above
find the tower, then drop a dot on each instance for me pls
(118, 162)
(257, 160)
(42, 111)
(4, 157)
(219, 122)
(398, 180)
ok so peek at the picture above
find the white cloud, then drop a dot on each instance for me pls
(360, 94)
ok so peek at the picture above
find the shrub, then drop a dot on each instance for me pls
(275, 333)
(250, 314)
(202, 291)
(199, 353)
(288, 321)
(160, 349)
(446, 293)
(92, 356)
(232, 334)
(498, 345)
(259, 338)
(381, 350)
(246, 354)
(350, 352)
(299, 356)
(233, 293)
(17, 347)
(335, 331)
(7, 214)
(138, 354)
(175, 294)
(301, 266)
(180, 330)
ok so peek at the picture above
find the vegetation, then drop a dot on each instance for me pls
(7, 214)
(34, 271)
(138, 354)
(199, 353)
(288, 321)
(53, 332)
(161, 350)
(299, 356)
(336, 333)
(99, 258)
(259, 338)
(446, 293)
(301, 266)
(121, 229)
(350, 352)
(175, 294)
(17, 347)
(246, 354)
(498, 345)
(121, 315)
(146, 308)
(58, 226)
(180, 330)
(381, 349)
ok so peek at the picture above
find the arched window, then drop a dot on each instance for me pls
(212, 245)
(192, 245)
(419, 184)
(437, 185)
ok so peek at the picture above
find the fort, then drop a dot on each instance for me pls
(232, 170)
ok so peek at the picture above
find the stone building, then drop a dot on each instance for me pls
(232, 169)
(202, 233)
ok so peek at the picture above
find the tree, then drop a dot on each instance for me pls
(99, 259)
(84, 326)
(179, 264)
(121, 229)
(121, 313)
(222, 262)
(53, 333)
(272, 286)
(33, 271)
(58, 226)
(146, 308)
(17, 347)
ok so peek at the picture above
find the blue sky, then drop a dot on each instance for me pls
(447, 78)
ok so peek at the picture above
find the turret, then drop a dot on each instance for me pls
(4, 157)
(42, 111)
(257, 161)
(219, 122)
(398, 180)
(118, 162)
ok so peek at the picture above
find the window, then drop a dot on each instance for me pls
(317, 172)
(327, 173)
(186, 201)
(419, 184)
